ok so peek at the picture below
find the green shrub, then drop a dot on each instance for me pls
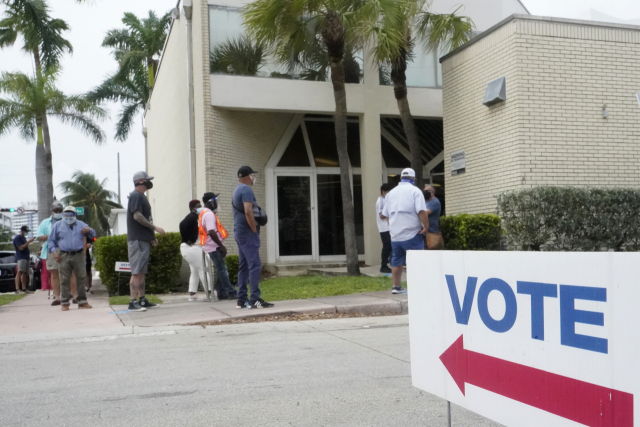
(164, 263)
(471, 232)
(571, 219)
(232, 262)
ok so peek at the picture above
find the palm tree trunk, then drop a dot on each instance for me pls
(44, 164)
(333, 34)
(151, 72)
(399, 78)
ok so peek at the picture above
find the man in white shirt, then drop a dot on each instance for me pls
(383, 228)
(408, 222)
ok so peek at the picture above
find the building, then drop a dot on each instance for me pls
(118, 222)
(28, 218)
(282, 127)
(571, 114)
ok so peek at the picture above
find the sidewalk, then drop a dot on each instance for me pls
(34, 317)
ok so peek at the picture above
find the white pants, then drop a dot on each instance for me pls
(193, 255)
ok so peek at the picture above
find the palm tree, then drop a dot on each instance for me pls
(31, 98)
(131, 89)
(295, 25)
(43, 39)
(434, 31)
(85, 190)
(140, 43)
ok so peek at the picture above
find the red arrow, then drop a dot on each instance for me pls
(579, 401)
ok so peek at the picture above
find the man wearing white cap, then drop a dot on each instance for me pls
(141, 235)
(408, 222)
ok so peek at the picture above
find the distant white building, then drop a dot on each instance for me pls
(28, 218)
(118, 222)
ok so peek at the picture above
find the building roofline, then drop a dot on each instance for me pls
(524, 7)
(521, 17)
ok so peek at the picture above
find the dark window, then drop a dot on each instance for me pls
(330, 222)
(439, 168)
(294, 215)
(296, 152)
(322, 137)
(392, 157)
(7, 259)
(358, 212)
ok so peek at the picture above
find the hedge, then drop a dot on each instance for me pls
(471, 232)
(164, 263)
(233, 263)
(571, 219)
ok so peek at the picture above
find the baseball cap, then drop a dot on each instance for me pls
(70, 209)
(208, 196)
(409, 173)
(141, 175)
(245, 171)
(24, 228)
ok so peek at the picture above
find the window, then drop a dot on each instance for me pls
(322, 138)
(296, 152)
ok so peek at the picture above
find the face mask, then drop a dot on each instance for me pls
(199, 210)
(70, 219)
(57, 216)
(148, 185)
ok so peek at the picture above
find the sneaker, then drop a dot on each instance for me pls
(193, 298)
(85, 305)
(242, 304)
(145, 303)
(55, 302)
(398, 290)
(261, 304)
(27, 291)
(135, 306)
(385, 269)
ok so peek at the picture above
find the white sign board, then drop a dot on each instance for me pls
(528, 339)
(458, 163)
(123, 266)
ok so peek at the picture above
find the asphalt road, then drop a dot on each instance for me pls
(341, 372)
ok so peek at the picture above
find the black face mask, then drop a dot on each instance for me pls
(148, 185)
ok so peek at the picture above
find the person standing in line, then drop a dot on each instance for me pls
(383, 228)
(434, 236)
(23, 258)
(140, 237)
(247, 234)
(66, 244)
(191, 250)
(212, 236)
(408, 222)
(52, 266)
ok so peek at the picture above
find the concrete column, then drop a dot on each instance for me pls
(371, 161)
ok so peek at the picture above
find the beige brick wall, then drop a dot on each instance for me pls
(550, 131)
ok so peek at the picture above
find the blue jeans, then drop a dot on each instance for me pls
(249, 265)
(222, 283)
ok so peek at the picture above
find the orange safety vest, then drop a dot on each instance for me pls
(202, 233)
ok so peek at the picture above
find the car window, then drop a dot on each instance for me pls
(7, 259)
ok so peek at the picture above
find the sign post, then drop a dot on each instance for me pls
(528, 338)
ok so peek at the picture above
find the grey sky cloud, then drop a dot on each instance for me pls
(90, 63)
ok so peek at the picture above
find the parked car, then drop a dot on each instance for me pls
(9, 269)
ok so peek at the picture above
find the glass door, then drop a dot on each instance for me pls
(295, 217)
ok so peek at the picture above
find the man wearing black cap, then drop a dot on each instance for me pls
(247, 234)
(215, 233)
(141, 235)
(23, 256)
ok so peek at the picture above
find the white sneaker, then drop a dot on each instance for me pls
(193, 298)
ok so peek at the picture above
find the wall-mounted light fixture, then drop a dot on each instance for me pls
(605, 113)
(175, 13)
(496, 92)
(638, 98)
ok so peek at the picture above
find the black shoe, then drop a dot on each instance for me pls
(261, 304)
(385, 269)
(398, 290)
(242, 304)
(145, 303)
(135, 306)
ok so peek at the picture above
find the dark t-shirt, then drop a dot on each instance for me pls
(19, 241)
(189, 228)
(434, 216)
(243, 193)
(135, 231)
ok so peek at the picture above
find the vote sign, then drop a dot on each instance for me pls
(122, 266)
(528, 338)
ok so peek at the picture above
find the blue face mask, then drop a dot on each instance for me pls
(410, 181)
(70, 219)
(199, 210)
(57, 216)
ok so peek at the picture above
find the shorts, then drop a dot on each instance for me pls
(399, 249)
(52, 264)
(23, 265)
(139, 252)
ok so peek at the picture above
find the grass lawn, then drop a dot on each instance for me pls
(124, 300)
(302, 287)
(6, 299)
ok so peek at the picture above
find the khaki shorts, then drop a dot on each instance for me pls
(52, 264)
(23, 265)
(139, 252)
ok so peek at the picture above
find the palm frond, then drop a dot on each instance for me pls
(443, 31)
(128, 113)
(238, 56)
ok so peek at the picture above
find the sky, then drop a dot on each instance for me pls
(89, 65)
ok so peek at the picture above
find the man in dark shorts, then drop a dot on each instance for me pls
(140, 237)
(23, 257)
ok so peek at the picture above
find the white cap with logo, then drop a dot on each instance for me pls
(408, 173)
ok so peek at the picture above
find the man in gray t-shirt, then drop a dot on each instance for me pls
(141, 235)
(247, 234)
